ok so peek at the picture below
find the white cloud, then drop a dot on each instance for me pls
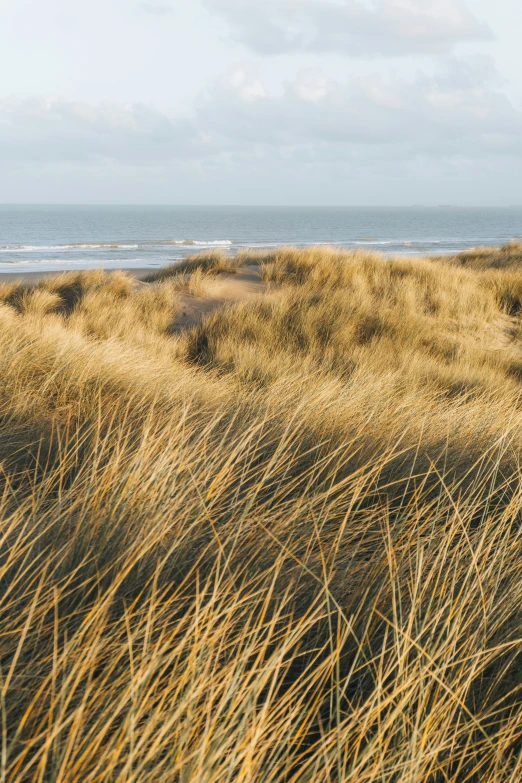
(38, 129)
(312, 85)
(243, 83)
(352, 27)
(459, 112)
(156, 8)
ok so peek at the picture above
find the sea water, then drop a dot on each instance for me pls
(41, 238)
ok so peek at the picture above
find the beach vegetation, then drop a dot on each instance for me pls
(280, 544)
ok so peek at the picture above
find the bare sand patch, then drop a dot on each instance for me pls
(221, 290)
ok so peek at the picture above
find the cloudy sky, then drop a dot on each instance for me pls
(261, 101)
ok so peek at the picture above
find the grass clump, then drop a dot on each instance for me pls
(282, 546)
(505, 257)
(212, 262)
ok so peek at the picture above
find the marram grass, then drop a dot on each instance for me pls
(282, 546)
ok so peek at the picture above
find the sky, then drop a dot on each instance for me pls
(317, 102)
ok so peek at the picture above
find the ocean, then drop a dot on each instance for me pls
(42, 238)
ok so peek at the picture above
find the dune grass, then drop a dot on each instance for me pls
(282, 546)
(210, 263)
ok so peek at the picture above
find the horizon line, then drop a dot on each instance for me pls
(257, 206)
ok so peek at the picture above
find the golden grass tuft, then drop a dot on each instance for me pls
(193, 283)
(509, 255)
(213, 262)
(283, 546)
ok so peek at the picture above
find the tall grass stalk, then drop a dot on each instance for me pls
(282, 546)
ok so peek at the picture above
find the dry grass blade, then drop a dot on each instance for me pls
(281, 546)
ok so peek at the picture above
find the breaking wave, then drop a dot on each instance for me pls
(113, 245)
(61, 248)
